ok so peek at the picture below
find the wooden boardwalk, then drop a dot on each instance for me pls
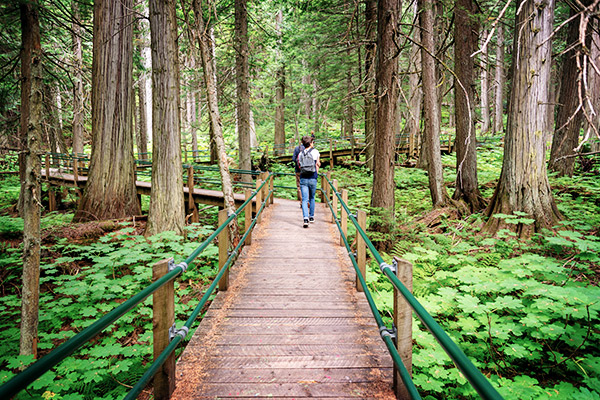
(291, 324)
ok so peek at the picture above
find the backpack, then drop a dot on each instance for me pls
(306, 162)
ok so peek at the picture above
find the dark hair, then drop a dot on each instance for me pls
(306, 141)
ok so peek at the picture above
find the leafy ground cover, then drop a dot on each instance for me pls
(525, 312)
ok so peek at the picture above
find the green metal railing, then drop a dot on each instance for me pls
(37, 369)
(473, 375)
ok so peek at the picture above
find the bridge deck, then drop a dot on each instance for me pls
(291, 324)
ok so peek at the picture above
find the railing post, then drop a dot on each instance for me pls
(47, 162)
(334, 201)
(223, 247)
(327, 187)
(331, 153)
(344, 216)
(258, 200)
(191, 203)
(361, 248)
(272, 186)
(323, 188)
(163, 305)
(403, 322)
(248, 216)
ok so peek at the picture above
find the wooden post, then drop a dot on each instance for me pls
(411, 145)
(263, 177)
(403, 322)
(51, 198)
(272, 189)
(331, 153)
(334, 201)
(323, 188)
(327, 187)
(223, 247)
(361, 248)
(163, 304)
(258, 200)
(47, 162)
(248, 216)
(344, 216)
(191, 203)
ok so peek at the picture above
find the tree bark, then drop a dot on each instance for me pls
(78, 103)
(243, 93)
(142, 95)
(415, 92)
(369, 91)
(166, 211)
(485, 92)
(523, 184)
(279, 140)
(465, 27)
(382, 196)
(31, 101)
(215, 117)
(52, 124)
(570, 116)
(594, 85)
(110, 191)
(500, 82)
(439, 196)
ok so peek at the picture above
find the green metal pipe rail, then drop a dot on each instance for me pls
(37, 369)
(473, 375)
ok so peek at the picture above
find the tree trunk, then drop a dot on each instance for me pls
(369, 91)
(52, 125)
(523, 184)
(349, 112)
(305, 98)
(110, 191)
(142, 95)
(31, 100)
(439, 196)
(594, 85)
(253, 137)
(166, 211)
(215, 117)
(214, 152)
(243, 93)
(570, 116)
(500, 82)
(415, 92)
(485, 93)
(78, 103)
(279, 140)
(315, 107)
(382, 196)
(465, 27)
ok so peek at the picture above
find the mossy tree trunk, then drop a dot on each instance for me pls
(110, 191)
(523, 184)
(78, 95)
(279, 139)
(369, 90)
(31, 92)
(243, 93)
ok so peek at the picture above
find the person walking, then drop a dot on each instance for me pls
(308, 163)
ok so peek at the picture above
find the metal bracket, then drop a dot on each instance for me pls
(353, 254)
(183, 265)
(392, 333)
(173, 331)
(393, 267)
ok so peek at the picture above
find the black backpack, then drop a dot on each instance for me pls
(306, 162)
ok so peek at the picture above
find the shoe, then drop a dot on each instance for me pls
(305, 224)
(311, 220)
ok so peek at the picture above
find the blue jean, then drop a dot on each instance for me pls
(308, 187)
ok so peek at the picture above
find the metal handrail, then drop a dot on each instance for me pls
(37, 369)
(473, 375)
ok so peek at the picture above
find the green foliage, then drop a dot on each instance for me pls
(86, 282)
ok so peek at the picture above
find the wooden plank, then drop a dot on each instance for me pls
(290, 375)
(299, 389)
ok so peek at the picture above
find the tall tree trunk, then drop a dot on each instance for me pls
(465, 27)
(78, 103)
(500, 82)
(523, 184)
(485, 92)
(349, 112)
(415, 92)
(214, 151)
(439, 196)
(305, 98)
(142, 94)
(214, 115)
(253, 137)
(382, 196)
(110, 191)
(594, 85)
(166, 212)
(52, 124)
(243, 93)
(570, 116)
(31, 101)
(279, 140)
(315, 107)
(369, 90)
